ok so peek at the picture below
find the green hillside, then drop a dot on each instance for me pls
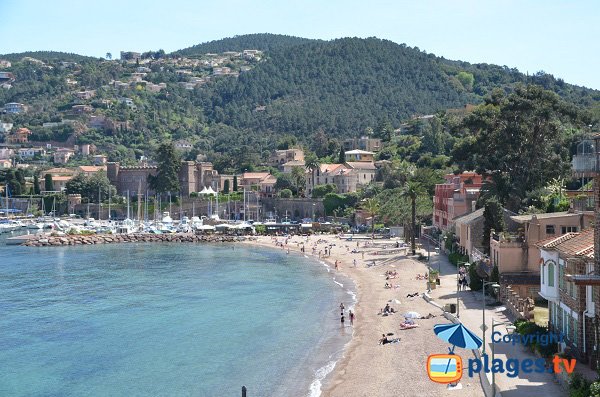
(257, 41)
(235, 108)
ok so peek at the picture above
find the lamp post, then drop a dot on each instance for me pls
(494, 285)
(509, 328)
(458, 264)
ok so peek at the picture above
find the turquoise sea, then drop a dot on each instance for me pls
(166, 320)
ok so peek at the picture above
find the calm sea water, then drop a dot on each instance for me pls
(166, 320)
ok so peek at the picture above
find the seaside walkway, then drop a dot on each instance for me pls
(471, 307)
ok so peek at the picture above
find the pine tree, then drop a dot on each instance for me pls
(36, 184)
(48, 184)
(226, 186)
(169, 164)
(235, 183)
(342, 158)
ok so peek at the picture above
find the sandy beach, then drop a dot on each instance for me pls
(367, 368)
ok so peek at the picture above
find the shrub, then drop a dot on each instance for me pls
(578, 386)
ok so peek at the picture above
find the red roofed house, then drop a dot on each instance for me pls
(19, 136)
(263, 182)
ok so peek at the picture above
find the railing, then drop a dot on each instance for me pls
(585, 163)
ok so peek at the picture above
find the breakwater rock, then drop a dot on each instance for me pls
(78, 239)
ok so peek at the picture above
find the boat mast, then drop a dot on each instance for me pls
(139, 202)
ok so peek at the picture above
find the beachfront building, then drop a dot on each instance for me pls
(456, 197)
(261, 182)
(515, 251)
(566, 261)
(468, 230)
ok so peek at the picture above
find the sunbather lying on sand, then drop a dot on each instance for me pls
(428, 316)
(408, 326)
(384, 340)
(412, 295)
(421, 277)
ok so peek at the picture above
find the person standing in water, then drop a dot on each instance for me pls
(351, 315)
(342, 319)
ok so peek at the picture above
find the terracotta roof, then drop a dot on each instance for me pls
(361, 165)
(92, 168)
(330, 167)
(254, 175)
(571, 244)
(53, 171)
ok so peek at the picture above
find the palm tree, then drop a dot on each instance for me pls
(412, 190)
(312, 163)
(372, 207)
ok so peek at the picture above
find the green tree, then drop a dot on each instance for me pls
(285, 193)
(493, 218)
(299, 178)
(523, 136)
(285, 181)
(226, 186)
(466, 79)
(36, 184)
(312, 163)
(412, 190)
(167, 175)
(108, 56)
(342, 156)
(322, 190)
(235, 183)
(475, 281)
(48, 184)
(371, 206)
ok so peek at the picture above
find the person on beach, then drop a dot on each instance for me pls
(342, 319)
(354, 262)
(342, 307)
(351, 314)
(363, 254)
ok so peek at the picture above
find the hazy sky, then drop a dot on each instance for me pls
(559, 37)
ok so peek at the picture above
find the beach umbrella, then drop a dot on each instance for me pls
(412, 315)
(457, 335)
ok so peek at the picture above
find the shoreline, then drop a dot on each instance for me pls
(49, 240)
(366, 368)
(325, 369)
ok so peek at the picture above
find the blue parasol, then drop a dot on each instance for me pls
(457, 335)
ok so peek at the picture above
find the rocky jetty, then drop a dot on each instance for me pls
(79, 239)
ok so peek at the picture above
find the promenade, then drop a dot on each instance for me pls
(470, 314)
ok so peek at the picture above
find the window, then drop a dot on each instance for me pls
(543, 274)
(568, 229)
(549, 229)
(550, 274)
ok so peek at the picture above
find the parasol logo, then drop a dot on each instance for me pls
(448, 368)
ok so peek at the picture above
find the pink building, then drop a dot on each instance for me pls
(454, 198)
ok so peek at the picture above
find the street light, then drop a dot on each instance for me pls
(458, 264)
(494, 285)
(509, 328)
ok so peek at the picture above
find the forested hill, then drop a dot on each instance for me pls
(47, 56)
(235, 106)
(257, 41)
(347, 85)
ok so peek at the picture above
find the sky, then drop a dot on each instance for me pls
(558, 37)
